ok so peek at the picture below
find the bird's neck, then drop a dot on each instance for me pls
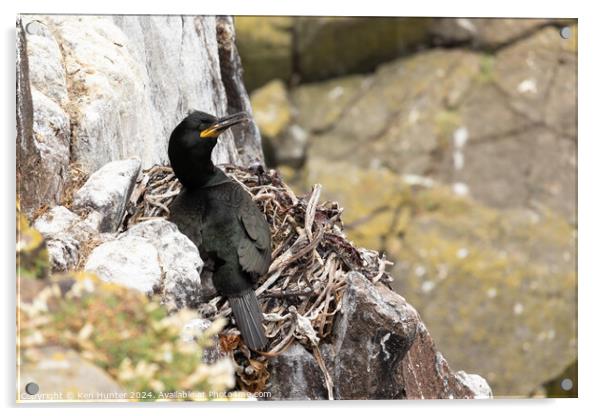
(192, 164)
(207, 172)
(202, 174)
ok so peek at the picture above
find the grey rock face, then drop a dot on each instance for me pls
(380, 349)
(51, 130)
(107, 191)
(114, 87)
(46, 61)
(522, 283)
(51, 123)
(31, 182)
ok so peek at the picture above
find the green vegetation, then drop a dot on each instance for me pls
(124, 333)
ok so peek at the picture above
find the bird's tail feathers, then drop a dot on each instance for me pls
(249, 318)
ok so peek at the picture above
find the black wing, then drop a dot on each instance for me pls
(254, 251)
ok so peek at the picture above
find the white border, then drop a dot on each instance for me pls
(590, 162)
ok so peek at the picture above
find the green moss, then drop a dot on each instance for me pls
(486, 73)
(446, 123)
(497, 289)
(330, 46)
(265, 47)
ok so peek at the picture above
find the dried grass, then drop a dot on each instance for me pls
(76, 177)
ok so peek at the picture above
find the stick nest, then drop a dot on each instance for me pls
(303, 289)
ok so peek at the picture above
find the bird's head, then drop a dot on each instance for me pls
(193, 140)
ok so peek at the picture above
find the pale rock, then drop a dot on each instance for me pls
(114, 87)
(63, 253)
(152, 256)
(130, 261)
(45, 56)
(65, 233)
(476, 383)
(51, 132)
(58, 220)
(179, 260)
(107, 191)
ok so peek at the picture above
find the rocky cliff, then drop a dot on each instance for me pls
(339, 332)
(96, 100)
(464, 149)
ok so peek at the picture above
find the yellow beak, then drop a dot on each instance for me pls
(223, 124)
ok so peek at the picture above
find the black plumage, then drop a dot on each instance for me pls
(221, 218)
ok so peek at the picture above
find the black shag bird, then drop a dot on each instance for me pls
(221, 219)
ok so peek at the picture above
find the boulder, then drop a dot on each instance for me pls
(62, 247)
(56, 221)
(129, 261)
(179, 260)
(107, 191)
(379, 349)
(152, 256)
(475, 383)
(295, 375)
